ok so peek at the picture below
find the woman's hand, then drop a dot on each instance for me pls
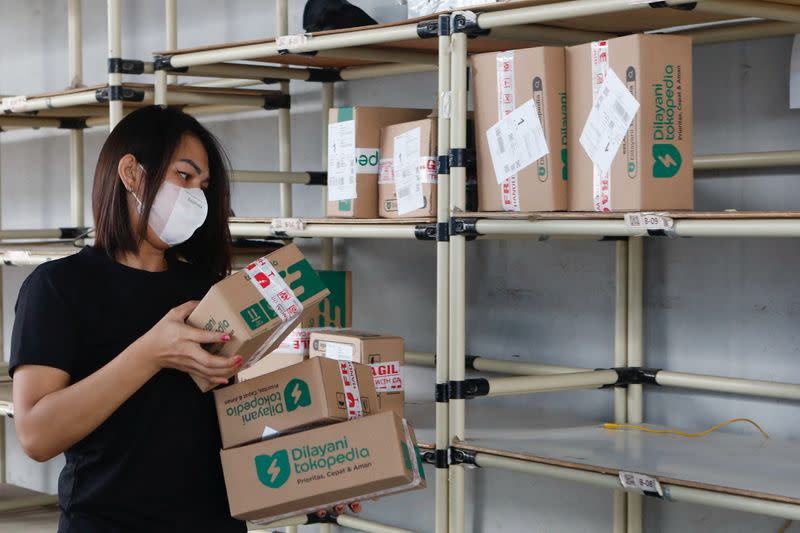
(172, 343)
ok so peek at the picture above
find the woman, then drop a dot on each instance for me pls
(101, 356)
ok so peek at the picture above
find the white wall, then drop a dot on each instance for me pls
(726, 307)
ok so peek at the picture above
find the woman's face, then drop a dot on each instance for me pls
(188, 168)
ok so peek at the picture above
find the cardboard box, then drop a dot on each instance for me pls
(335, 311)
(653, 169)
(304, 472)
(259, 305)
(427, 175)
(384, 353)
(503, 82)
(307, 394)
(360, 201)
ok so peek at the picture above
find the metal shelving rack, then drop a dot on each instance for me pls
(442, 43)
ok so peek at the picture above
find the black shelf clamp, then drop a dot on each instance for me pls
(634, 375)
(117, 65)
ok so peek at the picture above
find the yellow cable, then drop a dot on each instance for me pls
(683, 434)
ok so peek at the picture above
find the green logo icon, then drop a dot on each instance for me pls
(254, 316)
(273, 470)
(666, 161)
(345, 205)
(296, 394)
(564, 171)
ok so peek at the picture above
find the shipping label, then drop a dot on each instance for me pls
(388, 376)
(408, 185)
(342, 160)
(516, 141)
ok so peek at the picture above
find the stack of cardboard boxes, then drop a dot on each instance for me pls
(302, 437)
(603, 126)
(616, 117)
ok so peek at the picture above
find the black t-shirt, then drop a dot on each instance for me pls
(154, 465)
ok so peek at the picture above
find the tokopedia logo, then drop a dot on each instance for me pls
(666, 161)
(273, 470)
(297, 394)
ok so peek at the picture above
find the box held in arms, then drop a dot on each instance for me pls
(335, 311)
(315, 392)
(259, 305)
(301, 473)
(384, 353)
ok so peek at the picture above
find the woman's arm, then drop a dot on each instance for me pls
(51, 415)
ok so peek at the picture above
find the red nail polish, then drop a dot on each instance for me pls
(238, 361)
(226, 338)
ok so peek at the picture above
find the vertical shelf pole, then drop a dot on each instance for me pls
(75, 135)
(458, 143)
(284, 118)
(171, 29)
(621, 360)
(114, 52)
(327, 104)
(443, 279)
(3, 350)
(635, 357)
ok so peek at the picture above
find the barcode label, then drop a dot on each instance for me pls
(13, 103)
(516, 141)
(342, 161)
(649, 221)
(408, 171)
(641, 483)
(285, 42)
(287, 224)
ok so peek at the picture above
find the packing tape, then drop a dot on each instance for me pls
(428, 172)
(274, 289)
(352, 395)
(414, 483)
(601, 182)
(388, 376)
(506, 104)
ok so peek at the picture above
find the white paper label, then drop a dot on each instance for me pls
(339, 350)
(506, 103)
(648, 221)
(17, 256)
(408, 185)
(351, 393)
(268, 432)
(367, 160)
(388, 377)
(284, 42)
(609, 120)
(516, 141)
(641, 483)
(428, 172)
(287, 224)
(273, 289)
(13, 103)
(342, 160)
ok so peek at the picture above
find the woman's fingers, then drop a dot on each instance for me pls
(202, 336)
(213, 362)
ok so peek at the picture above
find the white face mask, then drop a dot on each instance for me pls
(176, 212)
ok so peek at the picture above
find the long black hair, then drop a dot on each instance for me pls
(152, 134)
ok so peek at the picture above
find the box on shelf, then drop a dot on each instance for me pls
(259, 305)
(314, 392)
(354, 157)
(384, 353)
(335, 311)
(653, 167)
(408, 167)
(304, 472)
(513, 90)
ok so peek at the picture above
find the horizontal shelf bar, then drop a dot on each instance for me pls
(547, 34)
(593, 379)
(226, 83)
(741, 32)
(610, 481)
(377, 71)
(46, 233)
(382, 55)
(785, 158)
(355, 231)
(250, 72)
(29, 122)
(28, 502)
(751, 8)
(259, 176)
(323, 42)
(57, 101)
(745, 387)
(244, 100)
(784, 228)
